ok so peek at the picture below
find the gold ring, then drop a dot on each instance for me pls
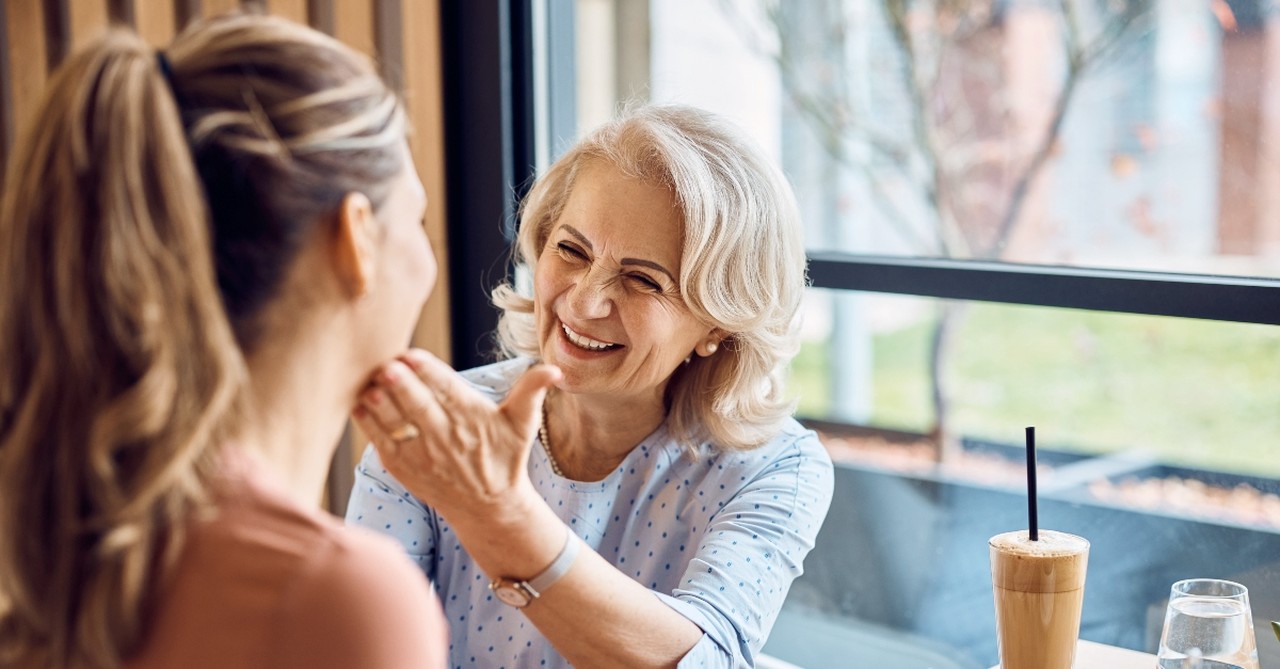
(404, 432)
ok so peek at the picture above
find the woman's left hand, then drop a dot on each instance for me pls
(452, 447)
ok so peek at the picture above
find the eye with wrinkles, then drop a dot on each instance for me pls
(569, 250)
(645, 282)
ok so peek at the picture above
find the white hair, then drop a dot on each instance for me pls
(743, 264)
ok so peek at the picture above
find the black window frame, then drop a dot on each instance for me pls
(490, 147)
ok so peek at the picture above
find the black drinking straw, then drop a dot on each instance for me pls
(1033, 513)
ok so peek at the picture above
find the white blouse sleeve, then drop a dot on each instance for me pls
(750, 552)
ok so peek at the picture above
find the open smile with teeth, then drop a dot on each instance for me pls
(583, 341)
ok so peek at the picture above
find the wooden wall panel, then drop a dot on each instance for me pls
(423, 83)
(184, 12)
(353, 24)
(294, 10)
(388, 39)
(57, 31)
(87, 19)
(320, 14)
(28, 66)
(121, 12)
(6, 95)
(155, 20)
(216, 7)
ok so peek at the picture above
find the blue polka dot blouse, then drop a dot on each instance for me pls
(718, 537)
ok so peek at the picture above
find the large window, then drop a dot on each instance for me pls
(1134, 134)
(1081, 176)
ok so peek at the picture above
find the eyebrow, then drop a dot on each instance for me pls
(625, 261)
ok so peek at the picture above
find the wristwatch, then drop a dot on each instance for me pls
(520, 593)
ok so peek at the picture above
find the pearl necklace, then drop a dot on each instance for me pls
(546, 444)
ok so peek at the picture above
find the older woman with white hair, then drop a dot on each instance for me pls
(658, 507)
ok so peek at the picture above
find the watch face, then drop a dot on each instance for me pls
(510, 594)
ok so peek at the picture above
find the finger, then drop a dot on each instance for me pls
(376, 434)
(456, 394)
(415, 402)
(377, 402)
(416, 358)
(440, 377)
(523, 406)
(403, 463)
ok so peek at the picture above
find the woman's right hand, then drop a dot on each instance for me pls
(470, 456)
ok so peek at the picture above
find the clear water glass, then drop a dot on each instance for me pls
(1208, 625)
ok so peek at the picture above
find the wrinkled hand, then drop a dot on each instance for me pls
(470, 455)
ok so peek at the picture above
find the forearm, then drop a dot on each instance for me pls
(594, 615)
(627, 625)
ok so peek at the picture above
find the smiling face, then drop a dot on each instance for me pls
(606, 288)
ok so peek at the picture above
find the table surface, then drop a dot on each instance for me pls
(1090, 655)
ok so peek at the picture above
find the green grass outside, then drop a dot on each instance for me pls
(1200, 393)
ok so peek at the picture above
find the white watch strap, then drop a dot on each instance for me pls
(559, 566)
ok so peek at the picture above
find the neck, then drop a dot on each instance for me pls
(591, 435)
(298, 405)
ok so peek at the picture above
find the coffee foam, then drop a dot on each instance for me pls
(1054, 563)
(1050, 544)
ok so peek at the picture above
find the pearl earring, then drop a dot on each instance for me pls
(712, 348)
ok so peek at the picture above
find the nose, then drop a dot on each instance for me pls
(588, 298)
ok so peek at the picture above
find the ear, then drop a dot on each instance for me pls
(355, 244)
(711, 343)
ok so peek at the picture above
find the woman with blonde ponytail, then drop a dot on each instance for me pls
(204, 254)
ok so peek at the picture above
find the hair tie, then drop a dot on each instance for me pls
(166, 71)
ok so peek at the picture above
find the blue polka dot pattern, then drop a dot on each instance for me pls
(718, 536)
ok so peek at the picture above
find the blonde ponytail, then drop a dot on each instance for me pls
(119, 364)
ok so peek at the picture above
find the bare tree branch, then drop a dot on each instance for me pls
(896, 11)
(1080, 58)
(833, 129)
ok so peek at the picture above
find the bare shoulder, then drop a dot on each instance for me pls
(359, 601)
(268, 583)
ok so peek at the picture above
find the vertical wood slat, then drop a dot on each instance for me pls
(217, 7)
(6, 95)
(184, 12)
(388, 39)
(121, 11)
(155, 21)
(86, 20)
(294, 10)
(320, 14)
(28, 53)
(423, 88)
(353, 24)
(57, 32)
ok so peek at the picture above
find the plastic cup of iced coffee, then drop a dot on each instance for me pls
(1039, 591)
